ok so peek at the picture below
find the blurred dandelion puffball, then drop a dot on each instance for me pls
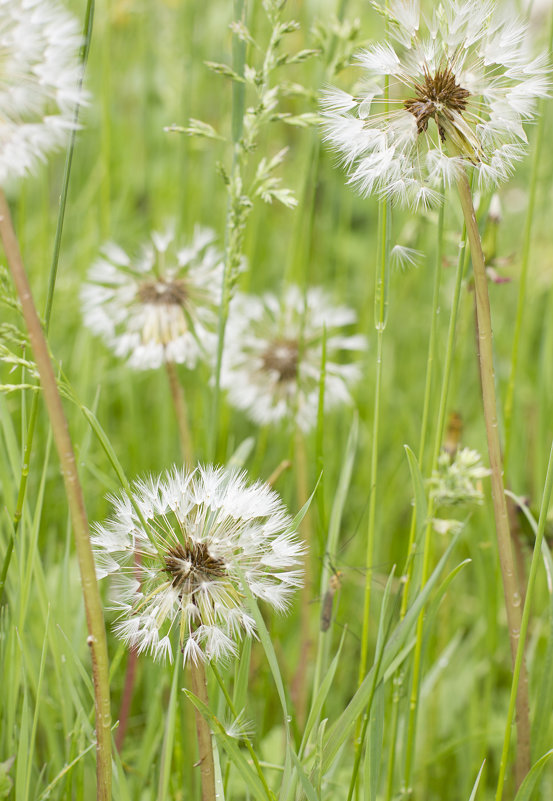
(39, 82)
(160, 306)
(273, 355)
(177, 583)
(453, 91)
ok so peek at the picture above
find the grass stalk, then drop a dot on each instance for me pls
(398, 681)
(417, 657)
(525, 262)
(427, 396)
(381, 317)
(205, 750)
(519, 659)
(181, 413)
(93, 605)
(299, 684)
(510, 588)
(233, 228)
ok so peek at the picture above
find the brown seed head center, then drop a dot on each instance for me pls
(163, 292)
(282, 357)
(436, 98)
(191, 565)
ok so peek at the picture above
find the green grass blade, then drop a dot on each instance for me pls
(477, 782)
(320, 697)
(340, 731)
(526, 789)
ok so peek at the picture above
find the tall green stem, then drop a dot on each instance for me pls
(510, 588)
(427, 396)
(398, 680)
(417, 657)
(93, 605)
(234, 224)
(519, 660)
(523, 280)
(381, 317)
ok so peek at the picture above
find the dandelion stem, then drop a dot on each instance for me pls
(181, 413)
(510, 588)
(207, 767)
(64, 446)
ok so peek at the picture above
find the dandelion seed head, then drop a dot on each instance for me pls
(159, 307)
(460, 88)
(273, 351)
(39, 80)
(176, 583)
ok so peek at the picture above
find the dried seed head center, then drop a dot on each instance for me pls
(191, 565)
(437, 98)
(282, 357)
(164, 292)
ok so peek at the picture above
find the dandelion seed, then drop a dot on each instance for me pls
(159, 307)
(240, 728)
(457, 96)
(273, 350)
(177, 583)
(39, 46)
(403, 257)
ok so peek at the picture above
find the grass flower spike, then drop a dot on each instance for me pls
(458, 481)
(160, 307)
(178, 583)
(454, 91)
(39, 45)
(272, 361)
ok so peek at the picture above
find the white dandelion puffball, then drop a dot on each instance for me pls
(177, 580)
(460, 86)
(160, 306)
(39, 82)
(273, 353)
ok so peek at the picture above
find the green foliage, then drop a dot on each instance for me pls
(161, 138)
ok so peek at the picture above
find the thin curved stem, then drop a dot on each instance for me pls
(87, 35)
(510, 587)
(93, 605)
